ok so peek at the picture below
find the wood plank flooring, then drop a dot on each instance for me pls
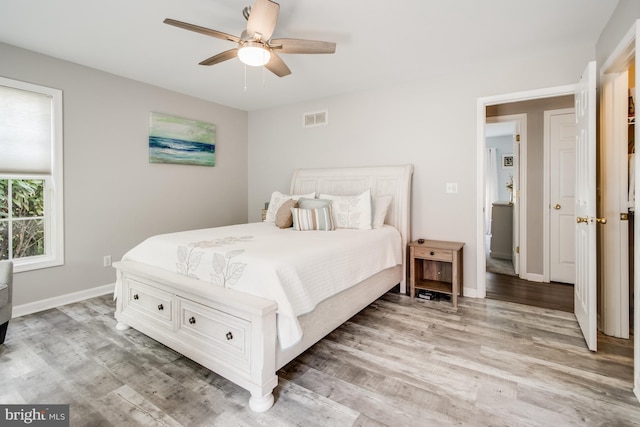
(400, 362)
(557, 296)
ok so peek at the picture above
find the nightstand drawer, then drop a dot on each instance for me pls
(432, 253)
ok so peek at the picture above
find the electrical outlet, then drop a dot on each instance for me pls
(106, 261)
(451, 187)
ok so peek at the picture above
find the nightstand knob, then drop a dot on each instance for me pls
(160, 307)
(229, 336)
(432, 253)
(192, 320)
(136, 296)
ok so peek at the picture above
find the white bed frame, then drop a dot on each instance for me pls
(233, 333)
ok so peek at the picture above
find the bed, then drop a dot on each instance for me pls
(245, 335)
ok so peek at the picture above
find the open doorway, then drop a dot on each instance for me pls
(502, 136)
(517, 222)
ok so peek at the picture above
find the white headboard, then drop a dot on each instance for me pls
(382, 180)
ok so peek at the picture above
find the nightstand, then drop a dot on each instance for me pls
(436, 266)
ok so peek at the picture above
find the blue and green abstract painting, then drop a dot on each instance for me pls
(181, 141)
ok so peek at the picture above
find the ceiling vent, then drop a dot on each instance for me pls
(319, 118)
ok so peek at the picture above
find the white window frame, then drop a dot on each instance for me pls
(54, 209)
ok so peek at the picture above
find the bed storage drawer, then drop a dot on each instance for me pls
(221, 334)
(151, 302)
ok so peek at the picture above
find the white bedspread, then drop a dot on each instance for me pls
(297, 269)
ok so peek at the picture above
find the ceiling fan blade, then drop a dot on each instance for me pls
(202, 30)
(302, 46)
(277, 66)
(221, 57)
(263, 18)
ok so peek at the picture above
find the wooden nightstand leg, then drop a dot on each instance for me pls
(412, 275)
(455, 280)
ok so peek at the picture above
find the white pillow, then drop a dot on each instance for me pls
(380, 207)
(351, 211)
(277, 199)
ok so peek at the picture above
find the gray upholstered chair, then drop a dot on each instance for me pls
(6, 290)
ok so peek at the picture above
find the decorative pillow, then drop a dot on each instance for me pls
(312, 219)
(283, 216)
(351, 211)
(277, 199)
(380, 207)
(305, 203)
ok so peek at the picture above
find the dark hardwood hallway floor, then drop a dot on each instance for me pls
(556, 296)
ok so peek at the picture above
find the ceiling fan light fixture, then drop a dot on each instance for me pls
(254, 54)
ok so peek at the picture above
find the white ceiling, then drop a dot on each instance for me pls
(379, 42)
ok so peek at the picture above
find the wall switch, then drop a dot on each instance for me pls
(451, 187)
(106, 261)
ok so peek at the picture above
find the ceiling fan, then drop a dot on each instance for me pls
(255, 46)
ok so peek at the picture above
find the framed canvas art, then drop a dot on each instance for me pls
(181, 141)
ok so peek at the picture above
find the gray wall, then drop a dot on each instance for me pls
(430, 123)
(113, 197)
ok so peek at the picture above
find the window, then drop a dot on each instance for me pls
(31, 211)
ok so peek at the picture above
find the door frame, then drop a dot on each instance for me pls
(546, 195)
(520, 188)
(614, 255)
(481, 118)
(625, 52)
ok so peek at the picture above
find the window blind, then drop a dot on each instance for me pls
(25, 131)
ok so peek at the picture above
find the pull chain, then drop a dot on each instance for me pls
(245, 78)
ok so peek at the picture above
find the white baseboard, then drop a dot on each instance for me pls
(534, 277)
(46, 304)
(471, 293)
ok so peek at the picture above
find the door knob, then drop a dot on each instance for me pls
(580, 219)
(601, 220)
(557, 206)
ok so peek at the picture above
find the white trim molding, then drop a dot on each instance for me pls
(46, 304)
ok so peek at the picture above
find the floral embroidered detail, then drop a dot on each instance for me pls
(189, 258)
(227, 273)
(348, 212)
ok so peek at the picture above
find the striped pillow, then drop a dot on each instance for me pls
(312, 219)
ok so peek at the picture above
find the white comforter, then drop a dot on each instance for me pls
(297, 269)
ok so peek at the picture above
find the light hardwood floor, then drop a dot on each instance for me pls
(400, 362)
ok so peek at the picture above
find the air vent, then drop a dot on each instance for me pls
(319, 118)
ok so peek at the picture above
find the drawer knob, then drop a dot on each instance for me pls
(432, 253)
(229, 336)
(192, 320)
(136, 296)
(160, 307)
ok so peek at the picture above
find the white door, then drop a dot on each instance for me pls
(561, 128)
(585, 204)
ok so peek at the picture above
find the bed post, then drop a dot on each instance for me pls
(263, 365)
